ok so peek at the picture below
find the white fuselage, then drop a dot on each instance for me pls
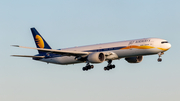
(121, 49)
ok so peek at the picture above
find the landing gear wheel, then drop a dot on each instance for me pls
(159, 59)
(88, 67)
(92, 66)
(109, 67)
(84, 68)
(113, 66)
(106, 68)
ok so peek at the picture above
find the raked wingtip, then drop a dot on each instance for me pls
(15, 45)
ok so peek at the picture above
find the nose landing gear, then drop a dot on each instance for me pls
(160, 59)
(109, 66)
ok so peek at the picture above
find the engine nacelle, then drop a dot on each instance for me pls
(96, 57)
(135, 59)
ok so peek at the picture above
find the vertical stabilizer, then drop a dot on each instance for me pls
(39, 40)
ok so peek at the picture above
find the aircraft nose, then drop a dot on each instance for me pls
(168, 45)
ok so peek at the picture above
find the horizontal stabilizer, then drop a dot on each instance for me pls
(61, 52)
(28, 56)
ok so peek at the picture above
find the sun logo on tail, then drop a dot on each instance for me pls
(39, 41)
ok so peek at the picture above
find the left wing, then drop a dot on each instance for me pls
(61, 52)
(28, 56)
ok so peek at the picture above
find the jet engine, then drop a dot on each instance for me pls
(135, 59)
(96, 57)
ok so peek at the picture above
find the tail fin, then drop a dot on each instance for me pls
(39, 40)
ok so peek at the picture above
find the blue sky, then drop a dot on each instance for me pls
(70, 23)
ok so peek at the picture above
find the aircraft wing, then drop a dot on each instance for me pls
(61, 52)
(28, 56)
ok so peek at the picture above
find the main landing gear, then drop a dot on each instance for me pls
(109, 66)
(159, 59)
(87, 67)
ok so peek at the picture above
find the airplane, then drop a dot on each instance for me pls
(132, 50)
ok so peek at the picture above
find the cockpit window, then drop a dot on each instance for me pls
(164, 42)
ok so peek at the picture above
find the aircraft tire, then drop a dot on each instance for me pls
(106, 68)
(159, 60)
(84, 69)
(92, 66)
